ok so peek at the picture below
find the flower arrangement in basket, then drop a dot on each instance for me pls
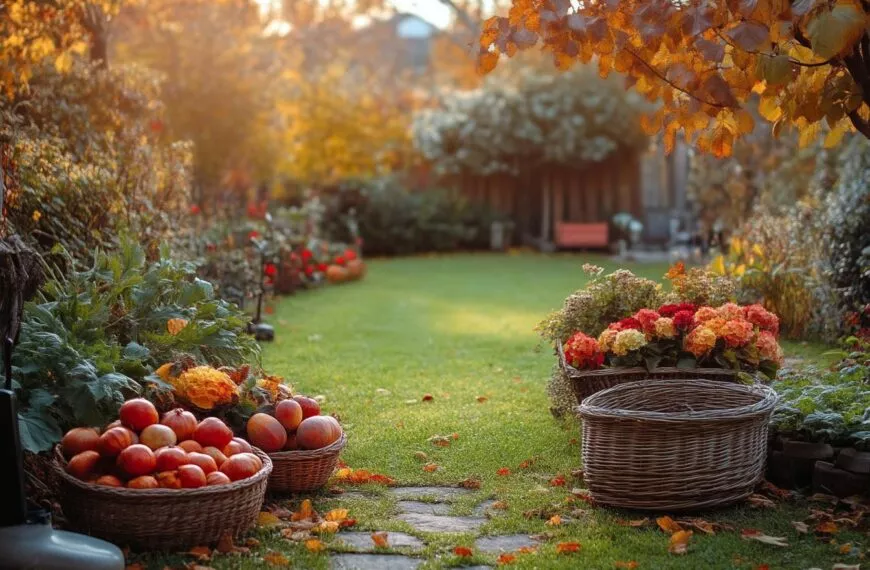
(676, 339)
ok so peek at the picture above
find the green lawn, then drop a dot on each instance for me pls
(461, 327)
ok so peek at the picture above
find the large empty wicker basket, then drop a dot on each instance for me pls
(675, 444)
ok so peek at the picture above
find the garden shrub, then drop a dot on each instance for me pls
(93, 337)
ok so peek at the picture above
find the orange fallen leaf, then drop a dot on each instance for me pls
(636, 523)
(315, 545)
(276, 559)
(347, 523)
(252, 542)
(470, 483)
(555, 520)
(504, 472)
(326, 527)
(462, 551)
(381, 539)
(265, 518)
(430, 467)
(336, 515)
(482, 399)
(305, 512)
(526, 464)
(757, 535)
(427, 397)
(421, 455)
(567, 547)
(630, 565)
(454, 435)
(668, 524)
(202, 553)
(846, 548)
(679, 543)
(505, 559)
(757, 501)
(827, 527)
(500, 505)
(557, 481)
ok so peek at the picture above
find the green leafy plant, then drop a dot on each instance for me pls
(92, 338)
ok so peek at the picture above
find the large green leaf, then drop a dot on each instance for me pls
(38, 432)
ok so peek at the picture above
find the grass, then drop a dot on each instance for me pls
(458, 328)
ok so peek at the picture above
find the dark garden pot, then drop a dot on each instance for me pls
(838, 482)
(808, 450)
(854, 461)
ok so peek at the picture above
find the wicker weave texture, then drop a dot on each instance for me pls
(675, 444)
(162, 519)
(588, 382)
(304, 470)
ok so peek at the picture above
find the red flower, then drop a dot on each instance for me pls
(270, 270)
(683, 320)
(253, 234)
(350, 254)
(309, 270)
(321, 267)
(306, 254)
(340, 260)
(673, 309)
(626, 324)
(194, 209)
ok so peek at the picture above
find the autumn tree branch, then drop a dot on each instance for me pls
(658, 74)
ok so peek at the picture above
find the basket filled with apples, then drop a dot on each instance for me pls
(303, 445)
(160, 483)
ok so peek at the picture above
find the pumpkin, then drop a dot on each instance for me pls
(356, 269)
(336, 274)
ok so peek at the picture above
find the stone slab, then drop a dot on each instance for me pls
(504, 543)
(363, 540)
(444, 494)
(422, 508)
(373, 562)
(854, 461)
(434, 523)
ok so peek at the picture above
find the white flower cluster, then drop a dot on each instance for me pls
(536, 117)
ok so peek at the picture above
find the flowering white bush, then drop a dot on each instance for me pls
(537, 116)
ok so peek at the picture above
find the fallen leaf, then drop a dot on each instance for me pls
(679, 542)
(281, 512)
(265, 518)
(555, 520)
(276, 559)
(440, 440)
(421, 455)
(774, 491)
(567, 547)
(557, 481)
(336, 515)
(470, 483)
(482, 399)
(504, 472)
(326, 527)
(462, 551)
(753, 534)
(699, 524)
(430, 467)
(305, 512)
(500, 505)
(505, 559)
(636, 523)
(295, 535)
(757, 501)
(800, 527)
(252, 542)
(668, 524)
(527, 549)
(828, 527)
(823, 498)
(630, 565)
(427, 397)
(202, 553)
(382, 392)
(846, 548)
(225, 543)
(315, 545)
(347, 523)
(578, 473)
(381, 539)
(409, 402)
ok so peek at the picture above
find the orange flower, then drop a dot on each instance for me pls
(582, 351)
(700, 341)
(717, 325)
(676, 270)
(606, 338)
(737, 333)
(647, 318)
(664, 328)
(762, 318)
(704, 314)
(730, 311)
(768, 348)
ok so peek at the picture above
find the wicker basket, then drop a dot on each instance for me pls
(675, 444)
(304, 470)
(162, 519)
(588, 382)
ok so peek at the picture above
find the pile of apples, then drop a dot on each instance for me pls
(297, 424)
(141, 450)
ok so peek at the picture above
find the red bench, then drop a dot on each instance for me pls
(582, 235)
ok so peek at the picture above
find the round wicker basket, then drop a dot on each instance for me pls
(588, 382)
(675, 444)
(162, 519)
(300, 471)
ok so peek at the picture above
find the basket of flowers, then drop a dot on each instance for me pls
(726, 343)
(675, 444)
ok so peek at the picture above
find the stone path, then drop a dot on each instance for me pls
(426, 510)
